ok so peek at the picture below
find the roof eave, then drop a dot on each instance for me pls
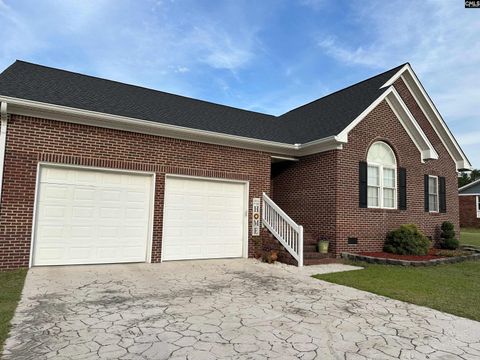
(92, 118)
(465, 187)
(430, 111)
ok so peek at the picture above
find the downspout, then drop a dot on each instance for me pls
(3, 142)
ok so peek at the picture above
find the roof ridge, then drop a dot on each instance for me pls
(142, 87)
(346, 88)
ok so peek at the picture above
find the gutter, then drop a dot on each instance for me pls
(98, 119)
(3, 142)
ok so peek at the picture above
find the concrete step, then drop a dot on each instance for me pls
(316, 255)
(309, 248)
(308, 262)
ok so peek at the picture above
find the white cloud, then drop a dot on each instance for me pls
(182, 69)
(439, 39)
(121, 39)
(469, 138)
(221, 49)
(356, 56)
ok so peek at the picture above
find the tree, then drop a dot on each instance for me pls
(466, 178)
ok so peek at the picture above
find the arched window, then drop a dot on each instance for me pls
(382, 176)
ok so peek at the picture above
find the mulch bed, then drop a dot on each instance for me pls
(432, 255)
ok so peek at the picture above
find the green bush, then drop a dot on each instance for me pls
(407, 240)
(447, 237)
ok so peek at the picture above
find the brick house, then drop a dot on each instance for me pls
(469, 200)
(96, 171)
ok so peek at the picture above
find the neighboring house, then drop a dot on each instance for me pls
(96, 171)
(469, 199)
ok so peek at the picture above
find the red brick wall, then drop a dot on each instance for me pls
(305, 190)
(371, 225)
(468, 212)
(30, 140)
(321, 191)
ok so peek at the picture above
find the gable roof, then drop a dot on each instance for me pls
(470, 189)
(319, 119)
(323, 124)
(331, 114)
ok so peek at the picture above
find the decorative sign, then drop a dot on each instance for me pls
(256, 217)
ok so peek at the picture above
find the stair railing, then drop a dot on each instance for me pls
(285, 230)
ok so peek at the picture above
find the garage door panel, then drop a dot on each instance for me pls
(196, 213)
(86, 216)
(79, 253)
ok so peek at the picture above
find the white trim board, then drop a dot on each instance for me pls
(403, 114)
(92, 118)
(3, 141)
(427, 106)
(469, 185)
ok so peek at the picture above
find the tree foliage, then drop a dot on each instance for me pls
(468, 177)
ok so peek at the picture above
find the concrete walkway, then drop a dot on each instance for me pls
(239, 309)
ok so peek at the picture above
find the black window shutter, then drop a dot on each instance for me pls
(425, 187)
(442, 194)
(363, 184)
(402, 189)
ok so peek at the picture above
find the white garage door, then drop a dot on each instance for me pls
(203, 219)
(89, 216)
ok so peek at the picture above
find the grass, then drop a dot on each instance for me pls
(11, 285)
(470, 236)
(452, 288)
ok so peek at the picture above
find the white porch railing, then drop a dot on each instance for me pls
(285, 230)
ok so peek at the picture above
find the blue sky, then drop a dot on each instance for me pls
(267, 56)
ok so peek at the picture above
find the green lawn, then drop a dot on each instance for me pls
(453, 288)
(470, 236)
(11, 284)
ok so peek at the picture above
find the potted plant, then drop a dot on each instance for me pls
(322, 245)
(270, 253)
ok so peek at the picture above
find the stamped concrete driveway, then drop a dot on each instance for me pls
(238, 309)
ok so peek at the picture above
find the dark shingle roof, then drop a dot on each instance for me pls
(319, 119)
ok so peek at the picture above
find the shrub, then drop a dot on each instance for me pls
(447, 237)
(407, 240)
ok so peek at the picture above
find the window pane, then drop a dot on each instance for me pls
(433, 203)
(381, 153)
(373, 176)
(373, 196)
(432, 185)
(478, 203)
(388, 198)
(389, 178)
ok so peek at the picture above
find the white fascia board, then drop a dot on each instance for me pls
(394, 78)
(279, 157)
(3, 141)
(405, 117)
(431, 113)
(92, 118)
(411, 126)
(475, 194)
(418, 92)
(321, 145)
(469, 185)
(343, 136)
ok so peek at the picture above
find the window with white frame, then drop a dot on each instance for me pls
(478, 207)
(433, 193)
(381, 176)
